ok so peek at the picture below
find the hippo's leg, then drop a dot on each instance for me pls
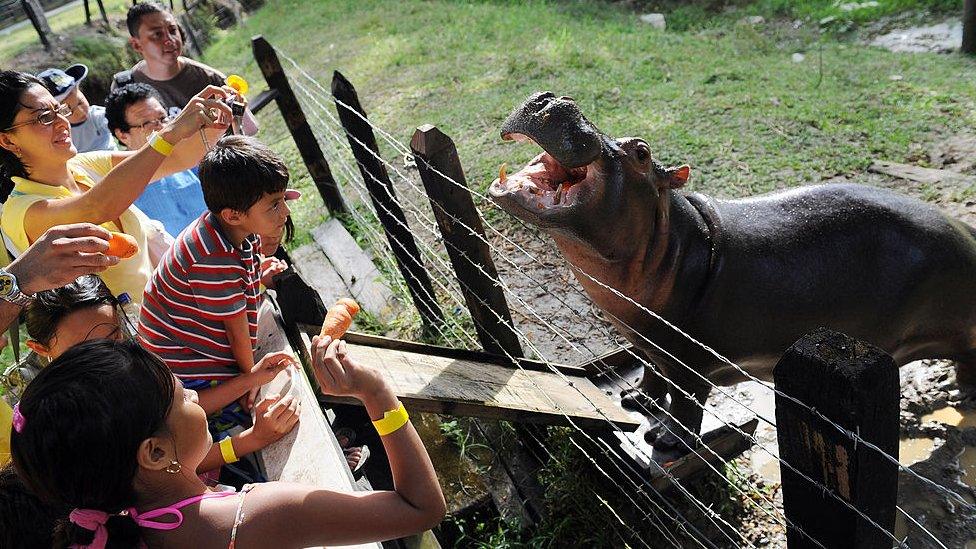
(649, 395)
(682, 423)
(966, 370)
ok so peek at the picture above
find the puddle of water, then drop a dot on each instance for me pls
(949, 415)
(460, 483)
(914, 450)
(967, 462)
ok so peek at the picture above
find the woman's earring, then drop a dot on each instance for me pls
(173, 467)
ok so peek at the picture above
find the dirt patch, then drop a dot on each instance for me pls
(942, 37)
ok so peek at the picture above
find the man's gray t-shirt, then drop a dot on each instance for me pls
(177, 91)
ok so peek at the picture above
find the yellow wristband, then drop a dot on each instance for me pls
(392, 420)
(227, 450)
(160, 145)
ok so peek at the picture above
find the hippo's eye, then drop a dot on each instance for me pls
(643, 153)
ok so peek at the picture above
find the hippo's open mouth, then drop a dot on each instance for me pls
(544, 183)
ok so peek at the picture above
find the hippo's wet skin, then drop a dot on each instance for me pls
(746, 277)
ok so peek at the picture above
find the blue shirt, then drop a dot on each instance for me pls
(175, 200)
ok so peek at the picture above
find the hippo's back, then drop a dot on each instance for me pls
(886, 268)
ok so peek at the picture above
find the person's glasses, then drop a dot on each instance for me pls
(154, 124)
(45, 117)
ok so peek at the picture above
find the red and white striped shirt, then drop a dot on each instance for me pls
(200, 282)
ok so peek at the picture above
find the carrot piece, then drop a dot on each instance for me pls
(122, 245)
(339, 318)
(350, 304)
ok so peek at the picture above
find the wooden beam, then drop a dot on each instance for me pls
(262, 100)
(468, 388)
(301, 132)
(855, 386)
(464, 238)
(377, 180)
(309, 454)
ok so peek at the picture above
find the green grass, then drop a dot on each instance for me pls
(731, 103)
(26, 37)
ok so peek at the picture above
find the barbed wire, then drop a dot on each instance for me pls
(853, 436)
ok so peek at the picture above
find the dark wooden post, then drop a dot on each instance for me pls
(969, 27)
(464, 237)
(363, 144)
(301, 132)
(37, 18)
(87, 13)
(854, 385)
(101, 9)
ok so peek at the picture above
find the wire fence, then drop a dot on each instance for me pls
(533, 272)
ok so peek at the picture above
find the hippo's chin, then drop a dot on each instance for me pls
(544, 189)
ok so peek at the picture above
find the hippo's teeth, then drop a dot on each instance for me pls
(559, 195)
(501, 174)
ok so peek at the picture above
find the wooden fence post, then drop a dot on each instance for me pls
(854, 385)
(101, 10)
(87, 13)
(301, 132)
(464, 237)
(969, 27)
(37, 18)
(363, 143)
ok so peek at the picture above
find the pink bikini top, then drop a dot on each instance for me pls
(92, 519)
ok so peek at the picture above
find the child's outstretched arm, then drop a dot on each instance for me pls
(302, 516)
(274, 417)
(214, 399)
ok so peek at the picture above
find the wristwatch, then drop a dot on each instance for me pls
(10, 291)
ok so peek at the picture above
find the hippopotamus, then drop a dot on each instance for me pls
(745, 277)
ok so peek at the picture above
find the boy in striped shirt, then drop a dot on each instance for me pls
(201, 304)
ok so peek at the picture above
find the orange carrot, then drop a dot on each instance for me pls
(122, 245)
(350, 304)
(339, 318)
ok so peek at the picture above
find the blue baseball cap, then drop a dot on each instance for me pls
(61, 82)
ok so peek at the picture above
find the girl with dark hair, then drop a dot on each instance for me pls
(49, 184)
(125, 465)
(59, 319)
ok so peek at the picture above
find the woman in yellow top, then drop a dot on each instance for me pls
(54, 185)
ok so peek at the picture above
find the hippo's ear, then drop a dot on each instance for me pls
(678, 176)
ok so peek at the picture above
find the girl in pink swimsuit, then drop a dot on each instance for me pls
(125, 462)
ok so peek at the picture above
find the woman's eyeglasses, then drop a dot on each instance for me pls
(45, 117)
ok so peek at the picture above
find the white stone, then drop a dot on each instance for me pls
(798, 57)
(851, 6)
(753, 20)
(655, 20)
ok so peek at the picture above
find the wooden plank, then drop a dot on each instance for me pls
(724, 444)
(450, 352)
(919, 174)
(262, 100)
(310, 454)
(361, 277)
(362, 141)
(301, 132)
(464, 238)
(318, 271)
(854, 385)
(453, 386)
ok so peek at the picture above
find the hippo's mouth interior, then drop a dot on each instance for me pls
(543, 183)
